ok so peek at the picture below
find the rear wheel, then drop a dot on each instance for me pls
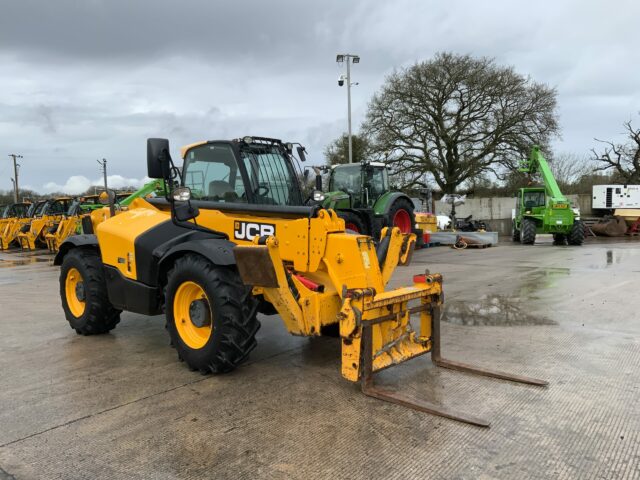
(528, 232)
(353, 222)
(576, 235)
(401, 215)
(515, 233)
(211, 315)
(83, 290)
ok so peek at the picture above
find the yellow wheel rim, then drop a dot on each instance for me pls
(75, 292)
(192, 315)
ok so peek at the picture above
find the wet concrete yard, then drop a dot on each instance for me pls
(122, 406)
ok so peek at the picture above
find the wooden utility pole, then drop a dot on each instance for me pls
(103, 164)
(15, 176)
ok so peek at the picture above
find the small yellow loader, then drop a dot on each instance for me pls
(232, 240)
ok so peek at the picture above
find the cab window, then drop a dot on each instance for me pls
(533, 199)
(211, 172)
(272, 180)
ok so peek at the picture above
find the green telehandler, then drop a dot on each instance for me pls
(544, 209)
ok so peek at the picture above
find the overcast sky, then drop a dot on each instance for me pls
(82, 80)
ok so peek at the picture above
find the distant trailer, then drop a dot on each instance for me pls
(608, 197)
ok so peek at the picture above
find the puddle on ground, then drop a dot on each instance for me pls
(16, 262)
(614, 257)
(494, 310)
(539, 279)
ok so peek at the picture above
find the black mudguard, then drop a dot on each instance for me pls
(218, 251)
(73, 242)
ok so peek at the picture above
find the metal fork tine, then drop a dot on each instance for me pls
(422, 406)
(369, 389)
(437, 359)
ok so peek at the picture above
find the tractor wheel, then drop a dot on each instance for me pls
(401, 215)
(211, 315)
(353, 222)
(528, 232)
(576, 235)
(559, 239)
(83, 290)
(515, 233)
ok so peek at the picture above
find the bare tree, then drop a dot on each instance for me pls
(338, 151)
(568, 169)
(457, 117)
(624, 159)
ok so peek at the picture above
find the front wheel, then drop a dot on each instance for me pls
(83, 290)
(353, 222)
(401, 215)
(528, 231)
(576, 235)
(211, 315)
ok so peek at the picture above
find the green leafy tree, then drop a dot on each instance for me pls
(337, 152)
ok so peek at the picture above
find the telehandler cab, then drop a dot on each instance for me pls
(230, 241)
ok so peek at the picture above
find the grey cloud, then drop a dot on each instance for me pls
(90, 79)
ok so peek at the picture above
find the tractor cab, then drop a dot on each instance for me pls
(252, 170)
(363, 182)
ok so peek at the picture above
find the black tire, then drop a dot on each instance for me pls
(233, 310)
(576, 235)
(407, 206)
(353, 222)
(515, 233)
(559, 239)
(528, 231)
(99, 316)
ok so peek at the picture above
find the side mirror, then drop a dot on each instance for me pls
(305, 174)
(301, 154)
(185, 212)
(319, 182)
(158, 157)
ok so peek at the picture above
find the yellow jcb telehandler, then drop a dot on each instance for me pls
(232, 240)
(13, 226)
(45, 221)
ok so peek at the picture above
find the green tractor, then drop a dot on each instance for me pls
(544, 209)
(360, 194)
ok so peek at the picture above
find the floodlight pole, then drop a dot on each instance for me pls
(349, 107)
(15, 176)
(356, 59)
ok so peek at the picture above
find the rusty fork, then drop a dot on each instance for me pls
(369, 388)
